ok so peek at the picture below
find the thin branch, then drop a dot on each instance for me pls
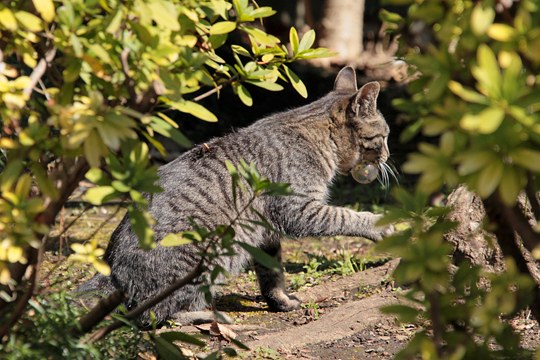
(21, 304)
(530, 238)
(533, 197)
(39, 71)
(189, 278)
(214, 90)
(66, 177)
(497, 213)
(130, 83)
(100, 311)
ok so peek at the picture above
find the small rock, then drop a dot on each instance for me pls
(380, 349)
(370, 350)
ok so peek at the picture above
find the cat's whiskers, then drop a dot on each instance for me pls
(385, 171)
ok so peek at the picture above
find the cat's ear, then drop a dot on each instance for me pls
(346, 79)
(365, 101)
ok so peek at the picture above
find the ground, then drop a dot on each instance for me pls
(341, 281)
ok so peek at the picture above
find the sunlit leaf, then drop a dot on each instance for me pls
(485, 122)
(97, 195)
(7, 19)
(501, 32)
(295, 81)
(293, 39)
(45, 9)
(222, 27)
(29, 21)
(174, 240)
(194, 109)
(511, 185)
(244, 95)
(489, 178)
(467, 94)
(307, 41)
(481, 18)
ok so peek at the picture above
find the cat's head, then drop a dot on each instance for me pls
(364, 131)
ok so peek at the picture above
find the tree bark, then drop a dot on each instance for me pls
(486, 249)
(342, 28)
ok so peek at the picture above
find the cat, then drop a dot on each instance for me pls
(305, 147)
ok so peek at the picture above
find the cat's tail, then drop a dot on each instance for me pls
(99, 284)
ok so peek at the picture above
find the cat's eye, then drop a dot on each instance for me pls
(365, 172)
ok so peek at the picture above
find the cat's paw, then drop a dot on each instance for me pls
(282, 302)
(377, 233)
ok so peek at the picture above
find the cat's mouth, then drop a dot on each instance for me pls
(366, 172)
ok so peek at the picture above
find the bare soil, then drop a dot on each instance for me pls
(340, 318)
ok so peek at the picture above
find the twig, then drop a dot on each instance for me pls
(130, 83)
(436, 324)
(21, 304)
(530, 238)
(39, 70)
(214, 90)
(533, 198)
(100, 311)
(504, 232)
(100, 333)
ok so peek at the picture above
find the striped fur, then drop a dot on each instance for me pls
(305, 147)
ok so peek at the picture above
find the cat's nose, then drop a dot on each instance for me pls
(371, 155)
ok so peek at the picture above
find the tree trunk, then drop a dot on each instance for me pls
(482, 248)
(342, 25)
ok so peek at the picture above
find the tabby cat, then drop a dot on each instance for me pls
(305, 147)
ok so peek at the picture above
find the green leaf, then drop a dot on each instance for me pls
(10, 175)
(526, 158)
(115, 22)
(307, 41)
(262, 12)
(293, 39)
(481, 18)
(98, 195)
(390, 17)
(473, 161)
(260, 36)
(97, 176)
(316, 53)
(166, 129)
(296, 82)
(174, 240)
(192, 108)
(223, 27)
(165, 14)
(244, 95)
(467, 94)
(485, 122)
(7, 19)
(487, 72)
(406, 314)
(183, 337)
(270, 86)
(489, 178)
(502, 32)
(166, 349)
(511, 185)
(45, 8)
(240, 50)
(29, 21)
(261, 257)
(43, 181)
(141, 224)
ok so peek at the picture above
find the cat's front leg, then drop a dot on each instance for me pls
(272, 282)
(310, 217)
(372, 231)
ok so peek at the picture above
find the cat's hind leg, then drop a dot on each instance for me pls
(272, 282)
(201, 317)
